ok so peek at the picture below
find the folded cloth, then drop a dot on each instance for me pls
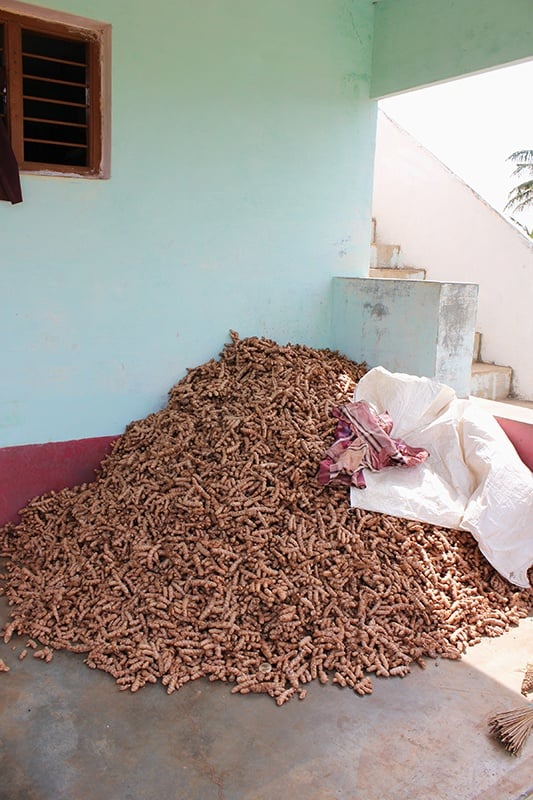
(363, 441)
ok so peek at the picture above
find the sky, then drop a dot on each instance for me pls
(473, 125)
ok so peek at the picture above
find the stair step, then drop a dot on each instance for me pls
(399, 273)
(490, 381)
(385, 255)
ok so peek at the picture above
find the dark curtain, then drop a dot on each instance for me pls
(9, 171)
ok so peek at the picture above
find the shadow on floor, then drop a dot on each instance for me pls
(67, 733)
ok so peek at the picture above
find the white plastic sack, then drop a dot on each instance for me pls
(473, 479)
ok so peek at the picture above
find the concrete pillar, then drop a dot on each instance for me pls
(423, 328)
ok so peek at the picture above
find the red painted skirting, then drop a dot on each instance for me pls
(30, 470)
(521, 435)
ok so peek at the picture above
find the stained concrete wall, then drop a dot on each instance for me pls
(419, 42)
(416, 327)
(443, 226)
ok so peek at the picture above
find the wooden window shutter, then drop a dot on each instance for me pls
(52, 97)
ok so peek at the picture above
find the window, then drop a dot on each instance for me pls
(54, 90)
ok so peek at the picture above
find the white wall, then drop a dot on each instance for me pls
(444, 226)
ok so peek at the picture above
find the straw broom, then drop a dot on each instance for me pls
(513, 727)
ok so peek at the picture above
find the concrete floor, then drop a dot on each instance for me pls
(67, 733)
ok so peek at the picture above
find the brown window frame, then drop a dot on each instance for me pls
(16, 17)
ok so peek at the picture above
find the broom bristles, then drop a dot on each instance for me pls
(513, 727)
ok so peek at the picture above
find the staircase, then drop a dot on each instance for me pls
(488, 381)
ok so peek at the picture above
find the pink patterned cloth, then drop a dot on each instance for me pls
(363, 441)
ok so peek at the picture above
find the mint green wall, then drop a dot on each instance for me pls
(418, 42)
(243, 139)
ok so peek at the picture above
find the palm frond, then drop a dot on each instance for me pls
(523, 228)
(522, 155)
(521, 197)
(520, 169)
(524, 162)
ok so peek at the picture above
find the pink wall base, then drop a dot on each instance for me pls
(30, 470)
(521, 435)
